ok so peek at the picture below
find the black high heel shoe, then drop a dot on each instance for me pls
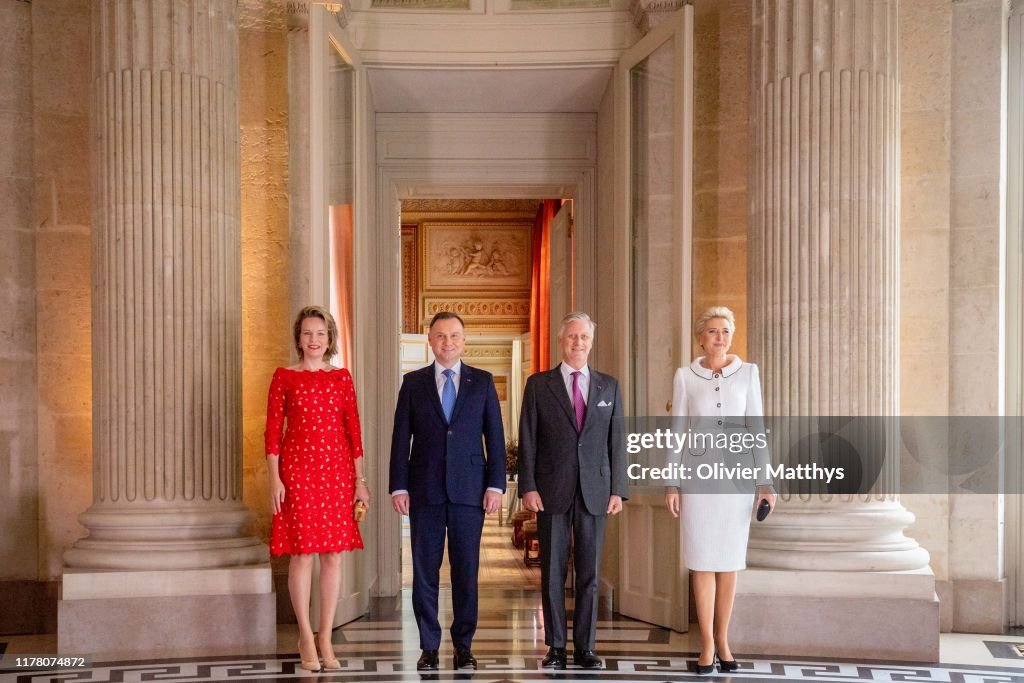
(726, 666)
(705, 669)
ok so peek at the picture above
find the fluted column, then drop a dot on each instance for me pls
(167, 469)
(824, 264)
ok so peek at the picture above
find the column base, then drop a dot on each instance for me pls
(167, 614)
(858, 615)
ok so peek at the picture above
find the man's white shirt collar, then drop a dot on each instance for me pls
(584, 380)
(567, 371)
(439, 370)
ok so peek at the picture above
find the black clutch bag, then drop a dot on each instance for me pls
(763, 509)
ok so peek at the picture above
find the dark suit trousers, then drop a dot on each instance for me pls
(554, 533)
(463, 525)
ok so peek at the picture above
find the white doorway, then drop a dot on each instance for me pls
(506, 267)
(389, 557)
(410, 153)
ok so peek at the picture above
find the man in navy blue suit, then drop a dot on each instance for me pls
(448, 410)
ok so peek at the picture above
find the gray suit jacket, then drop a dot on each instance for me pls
(554, 457)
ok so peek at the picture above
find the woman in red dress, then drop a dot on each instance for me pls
(316, 475)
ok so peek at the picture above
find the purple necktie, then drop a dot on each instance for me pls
(577, 401)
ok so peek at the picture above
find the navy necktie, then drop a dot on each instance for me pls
(448, 394)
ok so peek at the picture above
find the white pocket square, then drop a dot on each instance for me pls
(603, 404)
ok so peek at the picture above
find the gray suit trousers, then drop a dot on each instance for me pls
(586, 531)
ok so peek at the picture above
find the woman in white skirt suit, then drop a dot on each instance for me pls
(715, 526)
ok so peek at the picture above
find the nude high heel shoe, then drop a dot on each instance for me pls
(331, 662)
(312, 665)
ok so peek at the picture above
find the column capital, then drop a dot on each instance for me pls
(298, 15)
(342, 11)
(298, 12)
(649, 13)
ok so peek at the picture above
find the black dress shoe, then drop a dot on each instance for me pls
(727, 666)
(464, 658)
(554, 659)
(587, 659)
(427, 661)
(705, 669)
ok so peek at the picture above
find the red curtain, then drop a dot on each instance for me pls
(341, 279)
(540, 288)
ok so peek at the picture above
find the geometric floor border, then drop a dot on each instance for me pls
(387, 667)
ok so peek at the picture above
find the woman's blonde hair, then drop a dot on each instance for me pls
(711, 314)
(332, 329)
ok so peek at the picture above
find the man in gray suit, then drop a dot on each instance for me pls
(572, 473)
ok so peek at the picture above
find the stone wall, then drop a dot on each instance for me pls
(45, 347)
(950, 194)
(925, 62)
(19, 503)
(266, 316)
(975, 529)
(62, 98)
(720, 160)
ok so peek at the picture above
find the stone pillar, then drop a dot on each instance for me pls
(167, 566)
(837, 573)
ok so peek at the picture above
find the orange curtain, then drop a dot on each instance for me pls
(540, 288)
(341, 279)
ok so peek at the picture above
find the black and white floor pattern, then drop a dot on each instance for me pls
(385, 667)
(382, 647)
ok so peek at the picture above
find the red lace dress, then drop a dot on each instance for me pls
(318, 452)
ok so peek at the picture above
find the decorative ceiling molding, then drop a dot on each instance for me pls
(420, 4)
(649, 13)
(522, 5)
(492, 35)
(526, 206)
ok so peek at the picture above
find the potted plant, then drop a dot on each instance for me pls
(511, 458)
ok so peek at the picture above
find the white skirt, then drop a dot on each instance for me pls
(715, 528)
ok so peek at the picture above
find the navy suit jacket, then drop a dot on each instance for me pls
(446, 462)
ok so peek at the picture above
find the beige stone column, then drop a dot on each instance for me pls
(838, 571)
(167, 527)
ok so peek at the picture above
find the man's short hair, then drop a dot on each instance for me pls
(576, 315)
(446, 315)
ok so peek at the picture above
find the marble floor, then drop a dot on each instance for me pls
(382, 647)
(501, 565)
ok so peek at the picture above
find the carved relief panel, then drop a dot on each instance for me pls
(474, 263)
(481, 256)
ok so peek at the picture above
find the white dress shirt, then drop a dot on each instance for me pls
(583, 382)
(440, 378)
